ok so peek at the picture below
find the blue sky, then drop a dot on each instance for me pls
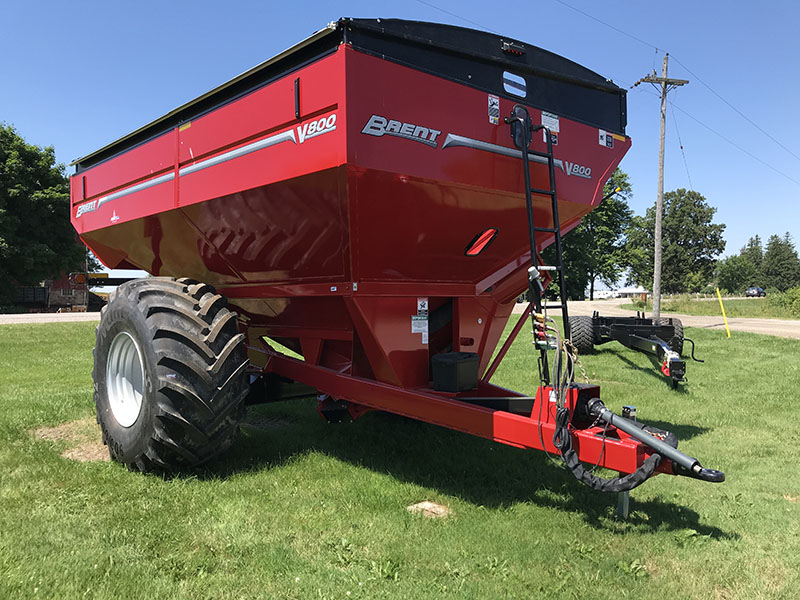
(77, 75)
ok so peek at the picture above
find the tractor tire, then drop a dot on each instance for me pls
(581, 331)
(676, 341)
(169, 374)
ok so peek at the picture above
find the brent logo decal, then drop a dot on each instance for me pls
(380, 126)
(85, 208)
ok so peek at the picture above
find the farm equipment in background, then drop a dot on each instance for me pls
(662, 338)
(374, 199)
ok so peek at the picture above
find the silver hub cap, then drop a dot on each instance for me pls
(125, 379)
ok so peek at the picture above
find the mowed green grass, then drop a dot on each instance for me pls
(309, 510)
(754, 308)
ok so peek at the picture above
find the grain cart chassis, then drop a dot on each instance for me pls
(374, 200)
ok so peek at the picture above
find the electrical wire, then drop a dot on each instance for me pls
(680, 143)
(617, 29)
(693, 74)
(447, 12)
(734, 144)
(718, 134)
(733, 108)
(657, 50)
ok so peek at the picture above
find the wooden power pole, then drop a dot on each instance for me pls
(666, 85)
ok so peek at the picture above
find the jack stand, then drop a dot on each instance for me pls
(624, 498)
(623, 505)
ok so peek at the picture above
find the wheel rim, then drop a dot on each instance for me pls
(125, 379)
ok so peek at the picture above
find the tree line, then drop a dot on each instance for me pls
(612, 242)
(775, 268)
(37, 241)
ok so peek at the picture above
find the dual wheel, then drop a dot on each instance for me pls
(169, 374)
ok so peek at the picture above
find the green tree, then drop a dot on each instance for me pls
(690, 241)
(781, 266)
(754, 253)
(595, 249)
(37, 240)
(736, 273)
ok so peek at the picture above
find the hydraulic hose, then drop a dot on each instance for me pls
(562, 439)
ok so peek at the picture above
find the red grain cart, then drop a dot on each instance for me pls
(358, 199)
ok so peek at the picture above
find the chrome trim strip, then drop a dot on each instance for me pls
(284, 136)
(136, 188)
(452, 141)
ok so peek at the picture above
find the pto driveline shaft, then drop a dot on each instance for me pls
(598, 409)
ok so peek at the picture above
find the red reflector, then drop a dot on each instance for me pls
(481, 241)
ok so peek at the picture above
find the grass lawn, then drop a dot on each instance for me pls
(301, 509)
(741, 307)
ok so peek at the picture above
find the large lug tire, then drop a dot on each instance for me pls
(581, 330)
(676, 341)
(169, 374)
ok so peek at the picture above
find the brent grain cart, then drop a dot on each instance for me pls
(374, 199)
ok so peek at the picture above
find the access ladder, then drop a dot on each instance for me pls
(522, 130)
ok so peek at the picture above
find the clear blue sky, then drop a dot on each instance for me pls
(77, 75)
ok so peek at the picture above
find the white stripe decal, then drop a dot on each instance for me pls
(286, 136)
(452, 141)
(230, 155)
(136, 188)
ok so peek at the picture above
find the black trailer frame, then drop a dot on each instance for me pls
(662, 338)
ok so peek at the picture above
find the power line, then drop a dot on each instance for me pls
(718, 134)
(672, 104)
(736, 110)
(680, 143)
(734, 144)
(447, 12)
(641, 41)
(617, 29)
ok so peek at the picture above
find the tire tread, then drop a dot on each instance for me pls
(199, 374)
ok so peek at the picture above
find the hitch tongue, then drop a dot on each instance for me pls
(682, 464)
(699, 472)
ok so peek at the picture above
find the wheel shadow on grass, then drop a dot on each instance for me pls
(451, 463)
(653, 372)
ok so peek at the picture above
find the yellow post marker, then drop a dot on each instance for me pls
(728, 329)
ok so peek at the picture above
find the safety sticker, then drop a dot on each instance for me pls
(419, 324)
(550, 121)
(605, 139)
(494, 109)
(419, 321)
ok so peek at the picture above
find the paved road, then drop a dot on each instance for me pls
(611, 308)
(49, 317)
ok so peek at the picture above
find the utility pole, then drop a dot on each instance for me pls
(666, 85)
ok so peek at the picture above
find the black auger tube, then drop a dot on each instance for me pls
(688, 465)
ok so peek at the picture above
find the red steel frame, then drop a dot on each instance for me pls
(621, 453)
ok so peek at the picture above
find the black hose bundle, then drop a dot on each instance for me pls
(562, 439)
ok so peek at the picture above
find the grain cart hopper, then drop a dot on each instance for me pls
(366, 199)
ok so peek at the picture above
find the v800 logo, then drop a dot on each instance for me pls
(314, 128)
(577, 170)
